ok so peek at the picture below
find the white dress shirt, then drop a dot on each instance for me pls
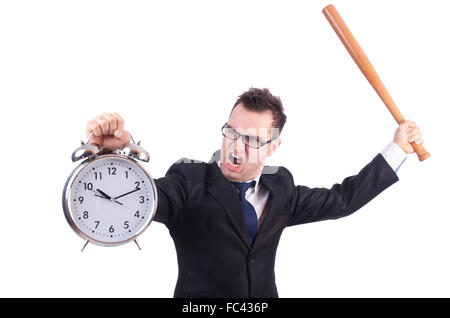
(257, 195)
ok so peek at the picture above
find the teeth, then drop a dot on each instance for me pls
(235, 160)
(236, 157)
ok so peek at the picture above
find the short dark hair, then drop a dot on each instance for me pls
(259, 100)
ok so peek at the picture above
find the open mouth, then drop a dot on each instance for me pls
(234, 160)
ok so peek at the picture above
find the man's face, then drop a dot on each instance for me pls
(239, 162)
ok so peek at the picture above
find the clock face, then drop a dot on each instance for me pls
(110, 200)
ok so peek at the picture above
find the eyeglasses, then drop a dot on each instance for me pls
(250, 141)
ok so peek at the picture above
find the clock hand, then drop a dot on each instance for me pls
(105, 196)
(122, 195)
(103, 193)
(101, 196)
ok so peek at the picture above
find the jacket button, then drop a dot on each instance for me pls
(250, 259)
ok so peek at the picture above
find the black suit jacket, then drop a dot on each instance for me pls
(203, 213)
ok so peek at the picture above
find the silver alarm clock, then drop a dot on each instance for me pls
(109, 199)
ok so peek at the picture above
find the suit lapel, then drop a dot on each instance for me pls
(274, 204)
(225, 193)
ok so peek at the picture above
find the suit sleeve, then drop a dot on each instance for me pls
(317, 204)
(173, 191)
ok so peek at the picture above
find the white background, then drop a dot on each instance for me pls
(173, 69)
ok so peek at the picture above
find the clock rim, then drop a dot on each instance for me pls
(68, 188)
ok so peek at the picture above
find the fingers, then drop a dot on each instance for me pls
(93, 126)
(418, 139)
(120, 121)
(413, 133)
(120, 132)
(98, 125)
(407, 125)
(113, 143)
(108, 131)
(409, 132)
(112, 123)
(411, 124)
(105, 124)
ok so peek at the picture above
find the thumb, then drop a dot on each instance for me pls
(123, 135)
(405, 126)
(118, 133)
(410, 124)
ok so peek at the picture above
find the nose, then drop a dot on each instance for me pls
(238, 145)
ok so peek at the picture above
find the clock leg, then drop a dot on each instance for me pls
(87, 241)
(137, 244)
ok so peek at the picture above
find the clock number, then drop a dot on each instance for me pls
(137, 185)
(141, 199)
(98, 175)
(85, 215)
(81, 199)
(88, 186)
(126, 174)
(111, 170)
(126, 225)
(96, 223)
(137, 214)
(111, 229)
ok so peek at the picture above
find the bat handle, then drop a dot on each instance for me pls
(420, 151)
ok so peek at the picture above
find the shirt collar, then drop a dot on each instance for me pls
(255, 189)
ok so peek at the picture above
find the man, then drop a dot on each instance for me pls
(226, 216)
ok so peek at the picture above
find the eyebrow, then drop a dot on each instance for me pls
(246, 135)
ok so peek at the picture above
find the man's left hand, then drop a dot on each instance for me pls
(406, 133)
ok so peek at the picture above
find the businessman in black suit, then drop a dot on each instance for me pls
(226, 216)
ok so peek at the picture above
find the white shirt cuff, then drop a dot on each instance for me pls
(394, 155)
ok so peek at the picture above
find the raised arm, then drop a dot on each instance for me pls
(317, 204)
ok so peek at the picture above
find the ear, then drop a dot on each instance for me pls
(273, 146)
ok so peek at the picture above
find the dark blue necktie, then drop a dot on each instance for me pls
(249, 211)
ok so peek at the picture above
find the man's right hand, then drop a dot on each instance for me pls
(108, 131)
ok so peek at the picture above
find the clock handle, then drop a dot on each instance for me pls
(92, 134)
(89, 138)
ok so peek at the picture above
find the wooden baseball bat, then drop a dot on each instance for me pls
(367, 69)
